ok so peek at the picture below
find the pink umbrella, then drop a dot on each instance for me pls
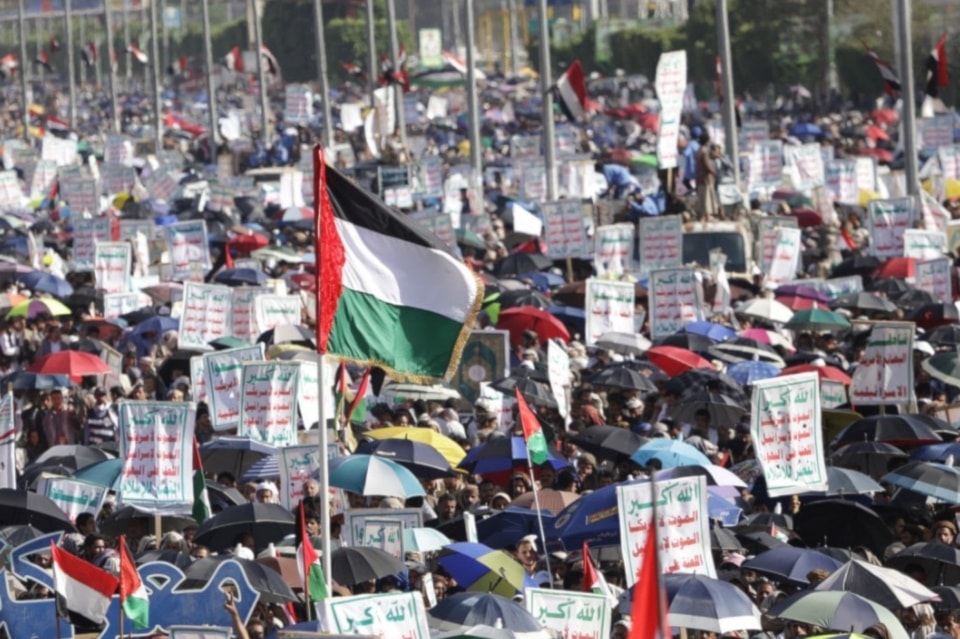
(772, 338)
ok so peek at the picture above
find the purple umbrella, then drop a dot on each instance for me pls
(801, 290)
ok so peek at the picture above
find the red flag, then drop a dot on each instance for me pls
(937, 68)
(572, 92)
(648, 614)
(891, 83)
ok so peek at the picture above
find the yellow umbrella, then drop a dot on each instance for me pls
(450, 449)
(951, 189)
(275, 350)
(39, 306)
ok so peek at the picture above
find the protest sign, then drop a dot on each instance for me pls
(272, 311)
(156, 446)
(385, 533)
(485, 359)
(836, 287)
(923, 245)
(268, 407)
(130, 228)
(682, 525)
(570, 614)
(949, 157)
(887, 220)
(11, 196)
(118, 148)
(558, 374)
(533, 180)
(355, 522)
(393, 615)
(609, 307)
(564, 233)
(81, 193)
(116, 178)
(661, 243)
(42, 178)
(935, 277)
(936, 131)
(675, 300)
(244, 311)
(765, 165)
(117, 304)
(200, 632)
(842, 181)
(806, 166)
(8, 442)
(525, 147)
(832, 393)
(613, 249)
(206, 315)
(189, 251)
(86, 233)
(111, 266)
(297, 104)
(222, 373)
(786, 258)
(786, 432)
(440, 225)
(670, 82)
(198, 381)
(63, 152)
(866, 173)
(297, 464)
(885, 372)
(74, 496)
(767, 228)
(753, 132)
(308, 399)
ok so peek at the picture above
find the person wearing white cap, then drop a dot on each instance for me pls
(266, 493)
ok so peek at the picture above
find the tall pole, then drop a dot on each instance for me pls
(546, 84)
(729, 100)
(24, 66)
(514, 46)
(372, 69)
(111, 67)
(71, 85)
(127, 61)
(395, 62)
(324, 81)
(211, 84)
(909, 119)
(83, 43)
(165, 33)
(157, 78)
(473, 108)
(833, 82)
(261, 76)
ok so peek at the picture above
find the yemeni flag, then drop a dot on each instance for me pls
(572, 92)
(391, 294)
(891, 83)
(532, 432)
(593, 579)
(201, 499)
(308, 563)
(234, 60)
(133, 594)
(84, 588)
(937, 76)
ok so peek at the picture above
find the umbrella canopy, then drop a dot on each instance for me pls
(948, 335)
(673, 361)
(422, 460)
(817, 525)
(266, 581)
(940, 562)
(831, 373)
(817, 319)
(750, 372)
(608, 442)
(533, 391)
(233, 454)
(105, 473)
(288, 334)
(706, 380)
(623, 378)
(724, 539)
(724, 410)
(39, 306)
(742, 349)
(767, 309)
(716, 475)
(670, 453)
(833, 609)
(711, 330)
(626, 343)
(451, 450)
(930, 316)
(41, 282)
(518, 263)
(769, 337)
(843, 481)
(689, 341)
(424, 540)
(19, 507)
(803, 291)
(353, 565)
(944, 366)
(868, 457)
(268, 523)
(899, 430)
(503, 454)
(551, 500)
(509, 526)
(373, 475)
(935, 480)
(889, 588)
(473, 608)
(790, 563)
(522, 318)
(71, 363)
(865, 302)
(479, 568)
(241, 277)
(523, 297)
(22, 381)
(897, 267)
(703, 603)
(936, 452)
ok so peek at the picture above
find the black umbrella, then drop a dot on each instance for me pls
(891, 287)
(175, 557)
(352, 565)
(743, 349)
(768, 520)
(524, 297)
(233, 454)
(841, 523)
(18, 507)
(915, 298)
(723, 409)
(899, 430)
(83, 297)
(758, 541)
(141, 314)
(23, 380)
(704, 379)
(856, 265)
(226, 496)
(865, 302)
(948, 335)
(867, 457)
(265, 580)
(421, 459)
(532, 391)
(930, 316)
(949, 597)
(518, 263)
(609, 442)
(119, 522)
(724, 539)
(940, 562)
(288, 334)
(623, 378)
(175, 365)
(690, 341)
(21, 534)
(75, 455)
(268, 523)
(649, 370)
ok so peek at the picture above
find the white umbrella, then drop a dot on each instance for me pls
(629, 343)
(888, 587)
(768, 309)
(436, 392)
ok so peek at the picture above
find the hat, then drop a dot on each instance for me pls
(504, 495)
(183, 380)
(634, 403)
(945, 523)
(588, 458)
(267, 485)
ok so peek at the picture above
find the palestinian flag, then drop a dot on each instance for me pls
(593, 579)
(133, 594)
(937, 68)
(201, 498)
(391, 294)
(308, 563)
(891, 83)
(532, 432)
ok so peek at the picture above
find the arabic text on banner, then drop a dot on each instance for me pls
(308, 397)
(806, 166)
(923, 245)
(671, 83)
(8, 442)
(842, 181)
(885, 372)
(74, 496)
(675, 300)
(156, 446)
(765, 166)
(198, 382)
(189, 251)
(609, 307)
(117, 304)
(244, 311)
(564, 233)
(206, 315)
(613, 249)
(767, 233)
(832, 393)
(570, 614)
(786, 257)
(949, 157)
(393, 615)
(682, 525)
(753, 132)
(661, 243)
(935, 277)
(866, 173)
(222, 372)
(297, 464)
(785, 426)
(272, 311)
(86, 234)
(268, 406)
(111, 266)
(887, 220)
(386, 533)
(355, 522)
(558, 374)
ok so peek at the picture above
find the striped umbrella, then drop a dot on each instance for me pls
(371, 475)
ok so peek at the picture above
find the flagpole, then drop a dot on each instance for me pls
(729, 101)
(111, 67)
(24, 65)
(546, 87)
(395, 59)
(372, 52)
(71, 85)
(473, 108)
(83, 39)
(909, 119)
(264, 101)
(211, 86)
(127, 62)
(536, 503)
(157, 78)
(323, 79)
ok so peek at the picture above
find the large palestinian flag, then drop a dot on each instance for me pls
(389, 293)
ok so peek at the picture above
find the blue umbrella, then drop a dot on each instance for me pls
(805, 129)
(263, 469)
(372, 475)
(930, 452)
(105, 473)
(421, 459)
(711, 330)
(509, 526)
(927, 478)
(752, 371)
(158, 324)
(22, 380)
(480, 568)
(476, 608)
(575, 319)
(791, 563)
(542, 280)
(38, 281)
(235, 455)
(722, 509)
(670, 453)
(241, 277)
(503, 454)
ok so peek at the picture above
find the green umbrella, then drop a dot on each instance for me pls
(645, 159)
(492, 305)
(223, 343)
(837, 609)
(799, 201)
(944, 366)
(817, 319)
(466, 237)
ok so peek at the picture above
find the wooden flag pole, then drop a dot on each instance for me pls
(536, 503)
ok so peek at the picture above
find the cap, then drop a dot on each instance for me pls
(587, 458)
(634, 403)
(266, 485)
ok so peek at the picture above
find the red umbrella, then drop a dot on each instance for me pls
(876, 133)
(806, 217)
(799, 303)
(884, 116)
(673, 360)
(522, 318)
(73, 363)
(831, 373)
(897, 268)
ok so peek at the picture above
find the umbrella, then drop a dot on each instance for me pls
(627, 343)
(868, 457)
(522, 318)
(716, 475)
(797, 303)
(899, 430)
(889, 588)
(19, 507)
(575, 319)
(175, 557)
(948, 335)
(758, 541)
(372, 475)
(352, 565)
(670, 453)
(20, 534)
(517, 263)
(424, 540)
(706, 379)
(937, 452)
(933, 315)
(105, 473)
(856, 265)
(935, 480)
(268, 523)
(703, 603)
(9, 300)
(790, 563)
(689, 341)
(427, 392)
(503, 454)
(466, 237)
(509, 526)
(234, 455)
(949, 597)
(75, 455)
(534, 392)
(843, 481)
(766, 336)
(164, 292)
(22, 381)
(745, 349)
(817, 525)
(767, 309)
(422, 460)
(451, 450)
(608, 442)
(39, 306)
(119, 522)
(940, 562)
(834, 609)
(817, 319)
(71, 363)
(551, 500)
(223, 496)
(750, 372)
(865, 302)
(711, 330)
(723, 539)
(41, 282)
(523, 297)
(265, 580)
(623, 378)
(944, 366)
(287, 334)
(479, 568)
(898, 267)
(801, 291)
(915, 298)
(472, 608)
(488, 632)
(831, 373)
(724, 410)
(673, 361)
